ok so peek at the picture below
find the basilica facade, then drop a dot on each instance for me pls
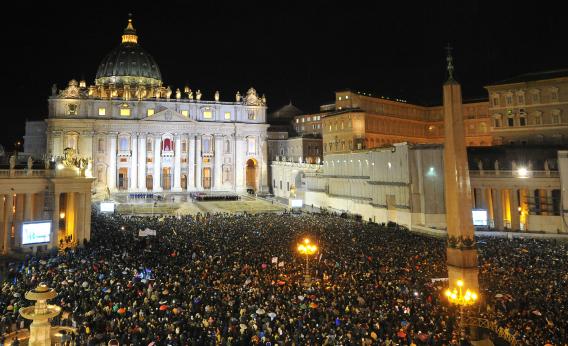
(143, 136)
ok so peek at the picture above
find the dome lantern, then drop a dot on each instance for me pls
(129, 35)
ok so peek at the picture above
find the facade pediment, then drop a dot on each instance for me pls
(168, 115)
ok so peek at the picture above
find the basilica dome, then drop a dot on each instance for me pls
(129, 64)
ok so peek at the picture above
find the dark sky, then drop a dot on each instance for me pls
(298, 51)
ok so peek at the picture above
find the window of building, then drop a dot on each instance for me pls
(251, 145)
(149, 145)
(183, 146)
(556, 119)
(280, 184)
(495, 101)
(150, 112)
(521, 99)
(206, 145)
(227, 115)
(227, 147)
(167, 144)
(287, 186)
(125, 112)
(185, 113)
(101, 145)
(522, 121)
(339, 98)
(123, 144)
(207, 113)
(72, 109)
(274, 183)
(535, 97)
(509, 100)
(252, 115)
(297, 120)
(497, 121)
(510, 121)
(554, 95)
(537, 119)
(347, 97)
(102, 111)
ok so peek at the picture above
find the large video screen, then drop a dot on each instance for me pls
(107, 207)
(296, 203)
(38, 232)
(479, 217)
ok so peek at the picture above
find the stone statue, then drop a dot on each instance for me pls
(190, 94)
(238, 96)
(46, 162)
(496, 167)
(157, 93)
(546, 166)
(12, 162)
(178, 94)
(168, 92)
(54, 90)
(126, 93)
(198, 95)
(480, 165)
(263, 100)
(217, 96)
(513, 165)
(30, 163)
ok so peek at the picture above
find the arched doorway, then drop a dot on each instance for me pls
(251, 174)
(166, 178)
(184, 181)
(123, 178)
(149, 182)
(206, 178)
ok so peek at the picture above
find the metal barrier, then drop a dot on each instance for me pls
(503, 333)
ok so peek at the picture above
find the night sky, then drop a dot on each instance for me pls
(291, 51)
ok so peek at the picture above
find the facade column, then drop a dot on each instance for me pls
(191, 163)
(515, 212)
(198, 160)
(177, 164)
(2, 219)
(263, 183)
(498, 209)
(78, 235)
(87, 217)
(157, 174)
(28, 207)
(55, 221)
(240, 153)
(111, 174)
(7, 229)
(134, 162)
(217, 171)
(141, 162)
(18, 219)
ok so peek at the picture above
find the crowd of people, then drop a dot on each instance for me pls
(238, 280)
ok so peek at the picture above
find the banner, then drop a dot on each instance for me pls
(274, 260)
(146, 232)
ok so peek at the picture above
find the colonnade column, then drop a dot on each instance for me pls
(515, 212)
(498, 209)
(80, 223)
(191, 163)
(198, 159)
(55, 221)
(141, 162)
(19, 218)
(157, 174)
(87, 218)
(134, 162)
(7, 227)
(111, 174)
(177, 163)
(218, 156)
(263, 183)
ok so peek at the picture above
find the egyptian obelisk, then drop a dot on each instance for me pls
(461, 248)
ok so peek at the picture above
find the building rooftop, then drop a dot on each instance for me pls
(533, 76)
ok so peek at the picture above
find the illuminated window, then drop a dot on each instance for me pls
(339, 98)
(207, 113)
(556, 119)
(72, 109)
(102, 111)
(347, 97)
(227, 115)
(495, 101)
(303, 120)
(297, 120)
(150, 112)
(521, 99)
(185, 113)
(554, 94)
(125, 112)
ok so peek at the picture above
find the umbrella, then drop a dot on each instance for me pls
(401, 334)
(271, 315)
(536, 312)
(85, 284)
(313, 305)
(121, 311)
(163, 307)
(17, 294)
(423, 337)
(498, 295)
(301, 298)
(260, 311)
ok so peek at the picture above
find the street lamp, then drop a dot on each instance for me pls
(307, 248)
(456, 296)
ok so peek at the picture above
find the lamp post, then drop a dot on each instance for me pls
(456, 296)
(307, 248)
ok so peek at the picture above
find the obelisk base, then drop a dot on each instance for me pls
(469, 276)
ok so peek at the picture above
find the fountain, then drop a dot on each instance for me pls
(40, 313)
